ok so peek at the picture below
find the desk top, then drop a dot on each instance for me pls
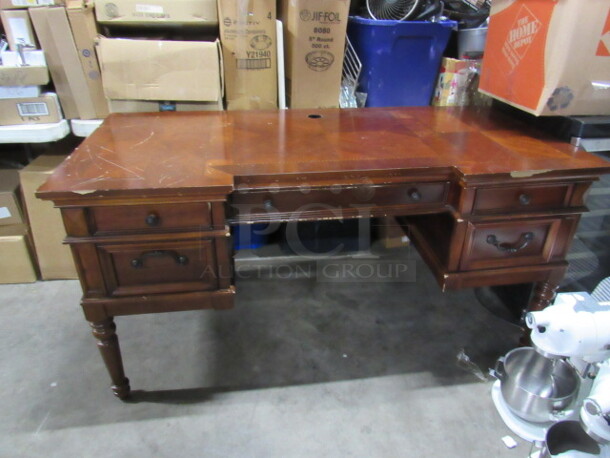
(183, 151)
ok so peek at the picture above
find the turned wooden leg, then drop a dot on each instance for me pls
(108, 344)
(543, 295)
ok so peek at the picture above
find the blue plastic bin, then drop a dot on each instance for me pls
(400, 59)
(248, 236)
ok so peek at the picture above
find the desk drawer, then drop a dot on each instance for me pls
(338, 201)
(512, 243)
(521, 198)
(154, 217)
(160, 267)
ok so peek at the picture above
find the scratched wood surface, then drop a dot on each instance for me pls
(164, 151)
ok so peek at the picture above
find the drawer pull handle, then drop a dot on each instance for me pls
(525, 199)
(524, 240)
(153, 219)
(138, 263)
(415, 195)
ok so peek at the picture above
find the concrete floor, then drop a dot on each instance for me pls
(299, 368)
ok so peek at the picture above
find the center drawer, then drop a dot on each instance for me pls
(150, 218)
(338, 202)
(159, 267)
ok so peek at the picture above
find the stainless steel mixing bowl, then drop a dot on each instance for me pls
(535, 387)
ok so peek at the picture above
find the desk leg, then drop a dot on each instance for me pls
(544, 293)
(108, 344)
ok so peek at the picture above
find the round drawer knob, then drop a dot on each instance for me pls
(268, 205)
(153, 219)
(415, 195)
(525, 199)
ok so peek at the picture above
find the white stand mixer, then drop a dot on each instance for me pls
(574, 330)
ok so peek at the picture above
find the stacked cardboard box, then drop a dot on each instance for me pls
(145, 63)
(23, 72)
(43, 109)
(20, 4)
(10, 204)
(32, 72)
(16, 264)
(249, 45)
(67, 41)
(18, 28)
(15, 257)
(159, 70)
(314, 34)
(67, 36)
(54, 258)
(164, 55)
(182, 13)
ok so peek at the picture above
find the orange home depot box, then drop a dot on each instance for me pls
(549, 57)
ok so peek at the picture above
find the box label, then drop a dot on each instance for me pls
(32, 109)
(150, 10)
(253, 64)
(258, 52)
(320, 37)
(520, 36)
(517, 39)
(5, 213)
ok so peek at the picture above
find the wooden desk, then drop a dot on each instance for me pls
(147, 199)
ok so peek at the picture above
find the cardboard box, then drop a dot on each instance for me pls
(160, 12)
(10, 207)
(71, 82)
(549, 57)
(29, 58)
(18, 29)
(15, 260)
(15, 92)
(391, 234)
(84, 32)
(248, 38)
(54, 258)
(314, 39)
(12, 73)
(30, 110)
(17, 4)
(160, 70)
(24, 76)
(148, 106)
